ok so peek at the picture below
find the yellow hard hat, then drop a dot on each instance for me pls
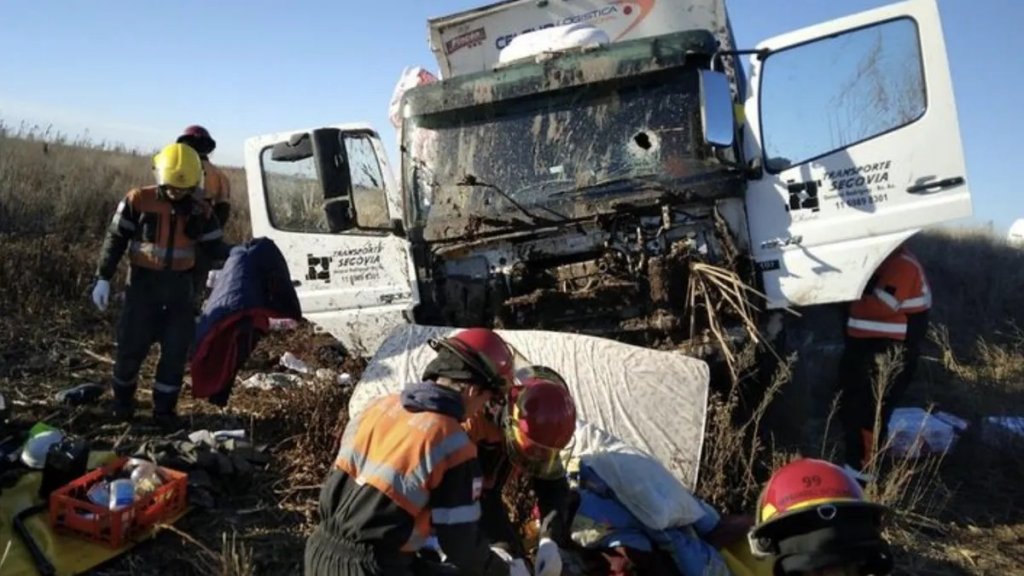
(179, 166)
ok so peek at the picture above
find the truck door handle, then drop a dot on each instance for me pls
(780, 242)
(936, 185)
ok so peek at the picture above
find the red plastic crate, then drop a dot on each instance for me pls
(72, 512)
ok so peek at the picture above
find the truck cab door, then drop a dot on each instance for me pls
(328, 199)
(855, 126)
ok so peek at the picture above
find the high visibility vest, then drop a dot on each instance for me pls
(162, 242)
(405, 456)
(898, 288)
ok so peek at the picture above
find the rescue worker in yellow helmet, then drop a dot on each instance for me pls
(161, 228)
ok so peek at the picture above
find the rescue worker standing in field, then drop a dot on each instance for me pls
(216, 188)
(407, 468)
(161, 227)
(891, 316)
(215, 191)
(525, 439)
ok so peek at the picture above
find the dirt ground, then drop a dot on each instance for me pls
(969, 522)
(298, 426)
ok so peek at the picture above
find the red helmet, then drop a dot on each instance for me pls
(540, 421)
(812, 515)
(198, 138)
(485, 353)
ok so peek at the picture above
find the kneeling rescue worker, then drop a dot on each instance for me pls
(406, 469)
(525, 439)
(161, 227)
(813, 520)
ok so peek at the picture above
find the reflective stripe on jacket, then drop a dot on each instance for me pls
(899, 287)
(405, 456)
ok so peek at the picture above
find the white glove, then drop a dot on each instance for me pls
(211, 278)
(101, 294)
(516, 566)
(549, 558)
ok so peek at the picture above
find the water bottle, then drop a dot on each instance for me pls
(99, 494)
(289, 360)
(122, 494)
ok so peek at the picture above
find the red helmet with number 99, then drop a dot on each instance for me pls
(813, 516)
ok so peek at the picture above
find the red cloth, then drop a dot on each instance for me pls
(224, 349)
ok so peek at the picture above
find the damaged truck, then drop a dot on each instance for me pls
(641, 185)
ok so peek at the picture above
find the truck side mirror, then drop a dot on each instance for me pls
(333, 175)
(297, 148)
(717, 115)
(398, 227)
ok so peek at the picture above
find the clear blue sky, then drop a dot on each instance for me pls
(138, 71)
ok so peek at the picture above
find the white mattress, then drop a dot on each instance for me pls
(655, 401)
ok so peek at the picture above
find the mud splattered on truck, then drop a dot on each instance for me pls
(571, 193)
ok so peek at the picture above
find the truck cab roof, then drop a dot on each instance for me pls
(563, 70)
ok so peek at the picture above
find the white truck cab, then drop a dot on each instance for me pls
(1015, 237)
(845, 140)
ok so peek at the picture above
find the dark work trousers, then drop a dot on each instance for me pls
(204, 263)
(157, 309)
(328, 556)
(858, 382)
(497, 525)
(199, 274)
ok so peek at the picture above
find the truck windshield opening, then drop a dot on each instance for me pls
(542, 149)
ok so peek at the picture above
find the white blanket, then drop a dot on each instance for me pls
(645, 487)
(655, 401)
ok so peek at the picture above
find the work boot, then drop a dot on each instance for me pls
(124, 399)
(167, 422)
(122, 410)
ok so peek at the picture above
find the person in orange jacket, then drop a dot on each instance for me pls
(407, 468)
(891, 316)
(524, 439)
(215, 191)
(216, 186)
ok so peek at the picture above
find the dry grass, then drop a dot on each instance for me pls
(977, 279)
(738, 453)
(963, 513)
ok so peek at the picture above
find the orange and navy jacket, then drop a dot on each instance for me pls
(216, 186)
(406, 469)
(896, 292)
(159, 234)
(216, 191)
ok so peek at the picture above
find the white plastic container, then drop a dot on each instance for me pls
(913, 432)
